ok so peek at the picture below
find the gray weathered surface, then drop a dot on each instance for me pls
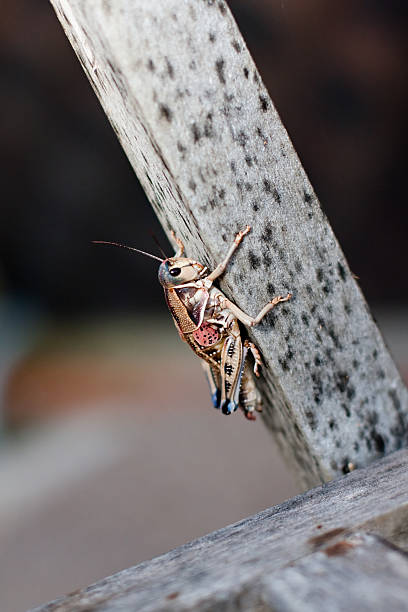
(360, 573)
(199, 128)
(279, 556)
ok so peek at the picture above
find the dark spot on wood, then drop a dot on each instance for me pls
(173, 595)
(271, 289)
(356, 364)
(282, 254)
(267, 186)
(319, 274)
(222, 8)
(284, 364)
(255, 207)
(219, 67)
(195, 130)
(378, 441)
(170, 69)
(307, 197)
(248, 161)
(236, 46)
(346, 410)
(266, 236)
(341, 270)
(342, 380)
(347, 308)
(267, 260)
(211, 37)
(150, 65)
(264, 103)
(262, 135)
(181, 147)
(317, 387)
(242, 138)
(276, 195)
(239, 185)
(350, 392)
(166, 112)
(335, 338)
(192, 185)
(248, 186)
(325, 537)
(309, 289)
(310, 417)
(332, 424)
(254, 260)
(305, 319)
(192, 65)
(375, 354)
(346, 466)
(395, 399)
(317, 361)
(246, 72)
(208, 126)
(256, 77)
(233, 167)
(338, 549)
(298, 266)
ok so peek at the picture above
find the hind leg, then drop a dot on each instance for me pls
(255, 354)
(249, 398)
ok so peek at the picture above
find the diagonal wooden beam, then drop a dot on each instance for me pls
(198, 126)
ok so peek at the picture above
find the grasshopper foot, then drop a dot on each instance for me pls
(228, 407)
(241, 234)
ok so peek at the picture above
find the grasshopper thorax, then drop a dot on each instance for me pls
(179, 271)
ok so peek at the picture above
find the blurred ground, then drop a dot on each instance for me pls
(130, 460)
(137, 462)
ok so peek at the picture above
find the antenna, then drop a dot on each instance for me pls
(124, 246)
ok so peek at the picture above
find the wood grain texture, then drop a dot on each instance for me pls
(190, 109)
(279, 559)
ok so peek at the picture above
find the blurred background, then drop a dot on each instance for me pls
(107, 455)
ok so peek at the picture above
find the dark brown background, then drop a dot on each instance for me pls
(337, 74)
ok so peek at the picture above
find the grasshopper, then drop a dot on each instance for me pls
(208, 321)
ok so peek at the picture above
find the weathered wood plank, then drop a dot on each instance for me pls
(247, 563)
(190, 109)
(360, 572)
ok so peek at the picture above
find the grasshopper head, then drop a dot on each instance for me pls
(179, 271)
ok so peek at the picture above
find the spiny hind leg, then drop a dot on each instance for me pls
(256, 355)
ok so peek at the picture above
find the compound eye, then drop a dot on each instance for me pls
(175, 271)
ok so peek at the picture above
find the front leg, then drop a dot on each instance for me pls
(220, 269)
(247, 319)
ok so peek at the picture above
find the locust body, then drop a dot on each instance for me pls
(208, 321)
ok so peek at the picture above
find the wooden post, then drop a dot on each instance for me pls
(309, 553)
(190, 109)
